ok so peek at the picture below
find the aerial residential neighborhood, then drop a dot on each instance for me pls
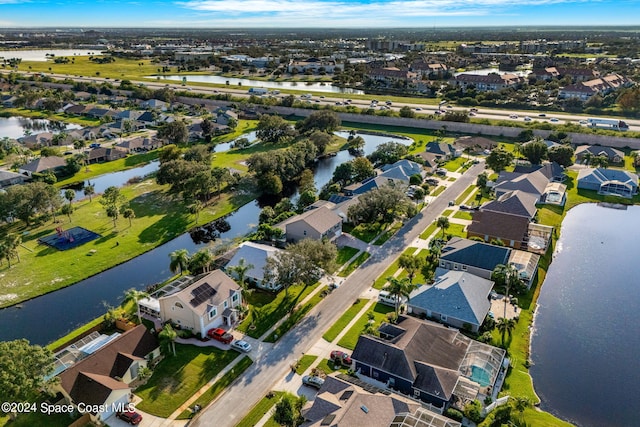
(216, 221)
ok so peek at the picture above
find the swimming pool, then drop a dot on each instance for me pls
(480, 375)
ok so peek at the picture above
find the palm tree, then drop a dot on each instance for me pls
(179, 260)
(443, 224)
(521, 403)
(168, 336)
(509, 276)
(435, 249)
(200, 261)
(399, 288)
(90, 190)
(505, 326)
(129, 214)
(69, 195)
(411, 264)
(135, 296)
(240, 270)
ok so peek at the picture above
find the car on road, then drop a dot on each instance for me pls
(513, 116)
(542, 115)
(554, 120)
(471, 113)
(527, 119)
(583, 122)
(341, 357)
(221, 335)
(130, 417)
(241, 345)
(418, 109)
(438, 112)
(312, 381)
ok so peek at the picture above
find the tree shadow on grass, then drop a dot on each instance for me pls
(168, 227)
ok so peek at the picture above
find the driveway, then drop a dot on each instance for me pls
(261, 377)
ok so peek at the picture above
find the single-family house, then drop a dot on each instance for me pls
(551, 170)
(8, 100)
(317, 224)
(428, 361)
(515, 202)
(407, 167)
(8, 178)
(105, 154)
(76, 109)
(139, 144)
(99, 113)
(342, 403)
(42, 164)
(583, 152)
(36, 140)
(532, 183)
(148, 118)
(527, 265)
(102, 379)
(131, 115)
(512, 230)
(155, 104)
(442, 150)
(474, 144)
(208, 301)
(473, 257)
(456, 298)
(614, 182)
(255, 257)
(226, 116)
(486, 83)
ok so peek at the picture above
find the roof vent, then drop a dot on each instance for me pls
(364, 409)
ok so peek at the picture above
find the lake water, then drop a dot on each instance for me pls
(586, 343)
(248, 83)
(14, 127)
(40, 54)
(73, 306)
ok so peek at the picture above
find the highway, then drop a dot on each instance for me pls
(261, 377)
(332, 98)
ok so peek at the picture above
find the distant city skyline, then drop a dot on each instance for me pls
(316, 13)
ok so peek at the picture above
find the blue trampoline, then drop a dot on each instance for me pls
(69, 239)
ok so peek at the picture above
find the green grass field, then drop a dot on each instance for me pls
(350, 339)
(463, 215)
(260, 410)
(344, 320)
(160, 217)
(354, 264)
(461, 198)
(176, 378)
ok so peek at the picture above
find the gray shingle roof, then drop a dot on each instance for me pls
(497, 224)
(513, 202)
(475, 254)
(254, 254)
(456, 294)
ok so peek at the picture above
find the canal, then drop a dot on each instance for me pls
(48, 317)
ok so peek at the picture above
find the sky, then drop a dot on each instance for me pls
(316, 13)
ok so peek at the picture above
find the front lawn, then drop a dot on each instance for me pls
(176, 378)
(350, 339)
(463, 215)
(388, 234)
(354, 264)
(437, 191)
(429, 231)
(260, 410)
(344, 320)
(454, 164)
(345, 253)
(327, 366)
(461, 198)
(219, 386)
(456, 230)
(296, 315)
(365, 232)
(265, 316)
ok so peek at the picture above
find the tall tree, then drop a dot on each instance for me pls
(168, 337)
(112, 200)
(240, 271)
(90, 190)
(175, 132)
(135, 296)
(443, 224)
(505, 326)
(179, 261)
(129, 214)
(69, 195)
(561, 154)
(399, 288)
(200, 262)
(499, 159)
(411, 264)
(535, 151)
(24, 369)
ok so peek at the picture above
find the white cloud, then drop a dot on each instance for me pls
(338, 13)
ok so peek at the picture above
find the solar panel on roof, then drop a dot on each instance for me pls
(201, 294)
(346, 395)
(328, 420)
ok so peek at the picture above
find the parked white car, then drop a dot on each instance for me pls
(241, 345)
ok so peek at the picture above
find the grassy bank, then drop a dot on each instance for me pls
(160, 217)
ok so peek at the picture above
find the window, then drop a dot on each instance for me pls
(443, 317)
(213, 313)
(464, 268)
(416, 392)
(225, 304)
(177, 304)
(304, 232)
(442, 264)
(455, 266)
(234, 298)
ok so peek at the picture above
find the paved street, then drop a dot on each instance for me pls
(270, 367)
